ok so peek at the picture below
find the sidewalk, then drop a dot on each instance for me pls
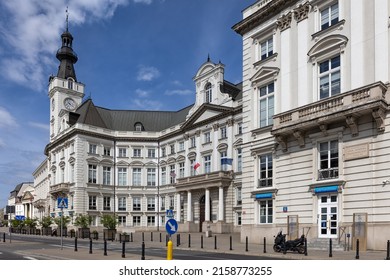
(221, 243)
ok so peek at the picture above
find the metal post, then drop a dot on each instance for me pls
(3, 236)
(143, 251)
(131, 237)
(246, 244)
(62, 236)
(123, 249)
(265, 246)
(189, 240)
(231, 243)
(388, 250)
(90, 245)
(170, 250)
(330, 248)
(357, 249)
(105, 247)
(160, 237)
(305, 246)
(348, 236)
(178, 240)
(151, 236)
(215, 242)
(143, 237)
(201, 241)
(75, 244)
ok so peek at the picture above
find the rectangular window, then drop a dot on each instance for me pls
(223, 155)
(172, 173)
(92, 202)
(329, 77)
(238, 197)
(106, 175)
(193, 142)
(163, 152)
(151, 176)
(207, 164)
(193, 171)
(92, 169)
(151, 221)
(329, 160)
(172, 147)
(136, 176)
(122, 220)
(163, 175)
(136, 152)
(136, 204)
(162, 199)
(136, 221)
(266, 99)
(122, 203)
(239, 128)
(151, 204)
(151, 153)
(266, 211)
(122, 176)
(329, 16)
(239, 219)
(171, 202)
(107, 203)
(122, 152)
(181, 169)
(266, 48)
(223, 132)
(107, 151)
(92, 149)
(207, 137)
(265, 176)
(181, 146)
(239, 159)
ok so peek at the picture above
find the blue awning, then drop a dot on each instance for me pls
(326, 189)
(263, 195)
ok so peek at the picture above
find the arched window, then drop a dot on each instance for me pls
(138, 126)
(70, 83)
(209, 93)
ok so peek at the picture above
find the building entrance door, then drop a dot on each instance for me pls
(328, 216)
(202, 207)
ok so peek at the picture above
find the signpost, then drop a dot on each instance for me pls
(62, 202)
(171, 227)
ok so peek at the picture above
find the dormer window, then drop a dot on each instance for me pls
(70, 83)
(138, 127)
(209, 93)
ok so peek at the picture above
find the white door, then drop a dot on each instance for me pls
(328, 216)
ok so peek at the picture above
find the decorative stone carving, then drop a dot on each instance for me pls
(379, 116)
(324, 128)
(282, 141)
(230, 122)
(302, 12)
(299, 136)
(186, 136)
(352, 124)
(197, 133)
(215, 126)
(284, 22)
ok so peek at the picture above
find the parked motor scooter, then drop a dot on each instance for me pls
(281, 245)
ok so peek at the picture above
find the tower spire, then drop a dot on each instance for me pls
(67, 19)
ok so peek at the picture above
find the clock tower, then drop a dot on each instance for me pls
(65, 92)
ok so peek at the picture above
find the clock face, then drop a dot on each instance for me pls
(69, 104)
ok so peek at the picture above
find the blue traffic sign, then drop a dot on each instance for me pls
(169, 213)
(62, 202)
(171, 226)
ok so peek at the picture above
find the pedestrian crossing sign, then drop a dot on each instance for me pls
(62, 202)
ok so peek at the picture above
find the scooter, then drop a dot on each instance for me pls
(281, 245)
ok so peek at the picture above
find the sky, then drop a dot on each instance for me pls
(132, 55)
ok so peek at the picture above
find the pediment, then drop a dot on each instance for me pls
(206, 112)
(107, 162)
(27, 196)
(180, 158)
(93, 160)
(327, 44)
(122, 163)
(150, 163)
(238, 142)
(264, 73)
(137, 163)
(171, 160)
(163, 162)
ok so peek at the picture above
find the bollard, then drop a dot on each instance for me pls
(90, 245)
(388, 250)
(357, 249)
(131, 237)
(105, 247)
(189, 240)
(265, 246)
(143, 251)
(160, 237)
(4, 237)
(330, 248)
(75, 244)
(305, 246)
(177, 240)
(231, 243)
(143, 237)
(166, 240)
(170, 250)
(123, 249)
(151, 236)
(215, 242)
(201, 241)
(246, 244)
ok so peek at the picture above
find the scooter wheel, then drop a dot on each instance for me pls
(277, 248)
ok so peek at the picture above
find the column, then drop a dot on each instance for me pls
(220, 205)
(207, 204)
(189, 207)
(178, 205)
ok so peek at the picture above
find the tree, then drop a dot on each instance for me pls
(65, 221)
(83, 221)
(30, 223)
(109, 221)
(46, 222)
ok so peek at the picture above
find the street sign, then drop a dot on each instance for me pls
(171, 226)
(62, 202)
(20, 217)
(169, 213)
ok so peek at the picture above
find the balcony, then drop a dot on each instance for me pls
(59, 188)
(346, 107)
(213, 179)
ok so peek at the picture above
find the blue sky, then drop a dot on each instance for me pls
(133, 54)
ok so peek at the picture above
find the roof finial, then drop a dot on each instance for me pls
(208, 57)
(67, 18)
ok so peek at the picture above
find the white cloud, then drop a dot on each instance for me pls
(147, 73)
(142, 93)
(147, 2)
(6, 119)
(39, 125)
(178, 92)
(145, 104)
(2, 144)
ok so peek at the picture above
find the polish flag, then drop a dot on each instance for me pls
(196, 165)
